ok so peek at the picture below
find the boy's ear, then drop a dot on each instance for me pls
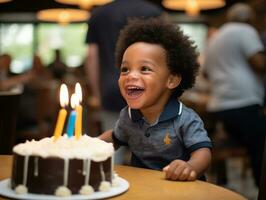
(174, 81)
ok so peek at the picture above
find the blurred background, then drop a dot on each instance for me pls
(22, 34)
(38, 42)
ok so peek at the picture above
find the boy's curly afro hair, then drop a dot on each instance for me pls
(180, 51)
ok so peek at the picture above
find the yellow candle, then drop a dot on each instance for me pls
(60, 123)
(78, 126)
(62, 113)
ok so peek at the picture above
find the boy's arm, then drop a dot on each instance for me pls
(189, 170)
(107, 136)
(200, 160)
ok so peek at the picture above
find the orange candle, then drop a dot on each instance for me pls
(78, 127)
(62, 113)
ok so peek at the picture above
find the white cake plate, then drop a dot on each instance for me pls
(6, 191)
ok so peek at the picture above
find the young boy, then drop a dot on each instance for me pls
(157, 64)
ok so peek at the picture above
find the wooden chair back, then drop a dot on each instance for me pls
(9, 103)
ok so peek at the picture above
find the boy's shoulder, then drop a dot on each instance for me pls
(188, 114)
(187, 110)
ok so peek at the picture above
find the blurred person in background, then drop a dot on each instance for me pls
(235, 65)
(102, 74)
(40, 71)
(12, 82)
(57, 67)
(40, 79)
(263, 39)
(5, 61)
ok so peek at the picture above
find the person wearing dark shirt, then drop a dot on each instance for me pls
(57, 67)
(234, 65)
(102, 74)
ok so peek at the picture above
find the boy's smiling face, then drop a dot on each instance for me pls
(145, 80)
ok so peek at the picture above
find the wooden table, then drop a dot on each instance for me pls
(149, 184)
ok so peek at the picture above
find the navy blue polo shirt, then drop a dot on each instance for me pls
(177, 133)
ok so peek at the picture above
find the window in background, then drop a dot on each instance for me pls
(70, 39)
(17, 41)
(197, 32)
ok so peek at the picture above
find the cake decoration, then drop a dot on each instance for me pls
(115, 180)
(62, 113)
(78, 124)
(62, 191)
(63, 165)
(86, 190)
(105, 186)
(21, 189)
(72, 117)
(85, 150)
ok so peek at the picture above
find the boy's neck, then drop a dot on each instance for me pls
(152, 119)
(153, 113)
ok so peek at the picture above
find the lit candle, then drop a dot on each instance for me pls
(62, 113)
(72, 116)
(78, 128)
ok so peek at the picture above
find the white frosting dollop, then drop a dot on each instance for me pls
(85, 147)
(63, 191)
(21, 189)
(86, 190)
(105, 186)
(115, 182)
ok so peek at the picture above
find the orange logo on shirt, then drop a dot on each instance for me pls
(167, 139)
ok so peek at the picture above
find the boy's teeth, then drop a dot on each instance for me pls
(134, 88)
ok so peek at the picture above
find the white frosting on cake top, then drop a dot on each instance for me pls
(67, 148)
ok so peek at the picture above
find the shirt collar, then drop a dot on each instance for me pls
(172, 109)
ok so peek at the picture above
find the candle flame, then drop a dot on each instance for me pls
(74, 101)
(78, 92)
(63, 95)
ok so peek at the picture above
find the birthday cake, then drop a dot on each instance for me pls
(63, 167)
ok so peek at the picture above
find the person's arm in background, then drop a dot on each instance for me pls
(92, 69)
(8, 83)
(258, 63)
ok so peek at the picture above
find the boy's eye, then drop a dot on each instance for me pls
(145, 69)
(123, 69)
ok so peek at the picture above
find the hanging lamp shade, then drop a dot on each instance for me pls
(4, 1)
(193, 7)
(63, 15)
(85, 4)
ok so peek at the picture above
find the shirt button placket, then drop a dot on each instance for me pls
(148, 132)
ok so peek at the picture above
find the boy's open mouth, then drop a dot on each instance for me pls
(134, 91)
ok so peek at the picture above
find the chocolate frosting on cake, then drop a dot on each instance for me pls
(45, 175)
(44, 166)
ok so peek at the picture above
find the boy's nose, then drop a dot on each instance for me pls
(133, 75)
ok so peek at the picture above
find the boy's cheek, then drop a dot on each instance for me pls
(120, 82)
